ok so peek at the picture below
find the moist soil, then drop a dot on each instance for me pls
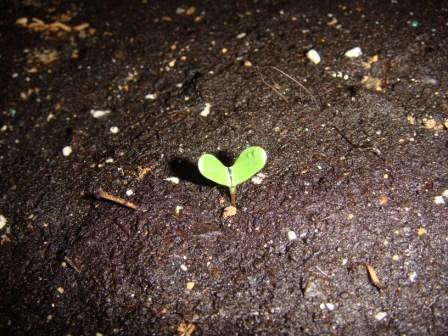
(345, 233)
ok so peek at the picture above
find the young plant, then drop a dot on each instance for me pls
(250, 162)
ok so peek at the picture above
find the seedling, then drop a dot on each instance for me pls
(250, 162)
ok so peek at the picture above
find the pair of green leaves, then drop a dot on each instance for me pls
(250, 162)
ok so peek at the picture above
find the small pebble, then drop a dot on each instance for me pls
(173, 179)
(330, 306)
(99, 113)
(412, 276)
(129, 192)
(313, 56)
(114, 129)
(353, 53)
(206, 111)
(3, 221)
(61, 290)
(381, 315)
(383, 200)
(247, 64)
(229, 212)
(183, 268)
(67, 150)
(240, 36)
(189, 285)
(429, 123)
(292, 235)
(445, 193)
(445, 124)
(439, 200)
(151, 96)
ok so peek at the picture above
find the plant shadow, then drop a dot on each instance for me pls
(186, 170)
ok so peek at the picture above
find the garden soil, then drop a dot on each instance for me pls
(108, 228)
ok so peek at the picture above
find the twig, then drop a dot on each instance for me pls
(72, 264)
(101, 194)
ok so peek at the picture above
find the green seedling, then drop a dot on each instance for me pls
(250, 162)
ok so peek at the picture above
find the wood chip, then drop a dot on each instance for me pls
(374, 277)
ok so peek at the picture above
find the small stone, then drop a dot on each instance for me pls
(411, 119)
(67, 150)
(172, 63)
(350, 216)
(439, 200)
(224, 50)
(60, 290)
(380, 316)
(114, 130)
(445, 193)
(189, 285)
(412, 276)
(445, 124)
(353, 53)
(395, 257)
(247, 64)
(206, 111)
(183, 268)
(292, 235)
(151, 96)
(421, 231)
(173, 179)
(3, 221)
(330, 306)
(99, 113)
(240, 36)
(129, 192)
(313, 56)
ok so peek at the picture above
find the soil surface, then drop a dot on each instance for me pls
(346, 231)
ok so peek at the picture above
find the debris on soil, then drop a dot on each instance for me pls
(380, 316)
(72, 264)
(114, 130)
(429, 123)
(151, 96)
(189, 285)
(3, 221)
(313, 56)
(374, 277)
(372, 83)
(143, 171)
(97, 114)
(101, 194)
(258, 179)
(439, 200)
(206, 111)
(292, 235)
(173, 179)
(421, 231)
(60, 290)
(383, 200)
(353, 53)
(229, 211)
(37, 25)
(186, 329)
(67, 150)
(179, 208)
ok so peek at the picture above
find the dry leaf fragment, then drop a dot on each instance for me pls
(374, 277)
(186, 329)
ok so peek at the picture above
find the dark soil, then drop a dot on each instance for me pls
(357, 168)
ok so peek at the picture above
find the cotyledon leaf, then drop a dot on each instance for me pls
(214, 170)
(250, 162)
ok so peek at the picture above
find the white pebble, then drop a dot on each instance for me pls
(445, 193)
(258, 179)
(353, 53)
(109, 160)
(151, 96)
(439, 200)
(172, 179)
(240, 36)
(183, 268)
(292, 235)
(129, 192)
(99, 113)
(206, 111)
(114, 129)
(381, 315)
(3, 221)
(330, 306)
(67, 150)
(313, 56)
(412, 276)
